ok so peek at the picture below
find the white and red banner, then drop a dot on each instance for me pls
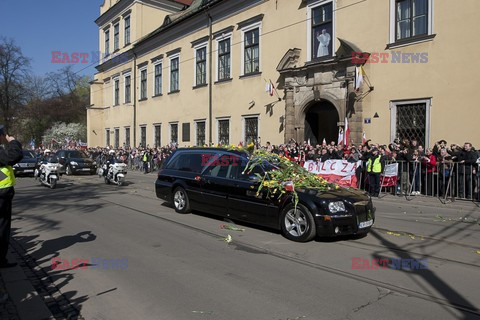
(390, 176)
(340, 172)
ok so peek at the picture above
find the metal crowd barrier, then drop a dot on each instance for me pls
(444, 180)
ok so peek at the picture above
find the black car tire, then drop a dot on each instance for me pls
(68, 171)
(297, 226)
(180, 200)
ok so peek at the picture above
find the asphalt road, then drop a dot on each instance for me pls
(178, 267)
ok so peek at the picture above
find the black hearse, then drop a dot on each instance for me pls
(195, 179)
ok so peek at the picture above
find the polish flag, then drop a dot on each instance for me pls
(340, 135)
(364, 138)
(346, 133)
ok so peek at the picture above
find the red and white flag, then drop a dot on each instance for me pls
(346, 134)
(364, 138)
(390, 176)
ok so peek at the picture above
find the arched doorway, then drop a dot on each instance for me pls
(321, 120)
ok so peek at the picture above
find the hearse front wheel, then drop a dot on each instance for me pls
(297, 224)
(181, 201)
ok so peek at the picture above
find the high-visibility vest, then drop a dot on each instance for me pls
(376, 167)
(145, 159)
(7, 177)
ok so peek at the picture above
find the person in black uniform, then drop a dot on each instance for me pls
(9, 156)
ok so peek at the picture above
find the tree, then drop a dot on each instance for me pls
(61, 133)
(14, 68)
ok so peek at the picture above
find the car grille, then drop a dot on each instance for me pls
(363, 211)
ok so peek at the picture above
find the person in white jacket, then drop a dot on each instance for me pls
(324, 41)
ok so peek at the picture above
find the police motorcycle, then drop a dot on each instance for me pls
(113, 170)
(47, 170)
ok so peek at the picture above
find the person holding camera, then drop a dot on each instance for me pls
(9, 156)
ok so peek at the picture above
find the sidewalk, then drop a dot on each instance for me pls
(465, 205)
(18, 298)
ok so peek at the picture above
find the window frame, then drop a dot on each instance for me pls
(244, 30)
(394, 43)
(126, 30)
(200, 46)
(127, 137)
(170, 60)
(116, 91)
(143, 129)
(116, 137)
(141, 88)
(170, 124)
(107, 41)
(204, 121)
(116, 36)
(155, 66)
(129, 91)
(159, 126)
(393, 116)
(310, 7)
(227, 36)
(218, 129)
(107, 137)
(244, 126)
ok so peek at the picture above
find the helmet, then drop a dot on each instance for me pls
(46, 151)
(111, 152)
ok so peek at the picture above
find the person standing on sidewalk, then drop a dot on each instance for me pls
(9, 156)
(375, 165)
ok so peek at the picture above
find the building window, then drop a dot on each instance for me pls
(117, 138)
(251, 51)
(411, 18)
(251, 130)
(158, 80)
(116, 37)
(143, 84)
(107, 137)
(174, 133)
(127, 30)
(411, 120)
(128, 85)
(116, 92)
(200, 133)
(107, 42)
(143, 137)
(127, 137)
(321, 31)
(158, 135)
(410, 21)
(224, 132)
(224, 57)
(201, 66)
(174, 74)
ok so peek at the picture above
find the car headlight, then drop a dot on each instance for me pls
(337, 206)
(73, 163)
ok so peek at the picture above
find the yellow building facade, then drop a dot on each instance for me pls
(224, 71)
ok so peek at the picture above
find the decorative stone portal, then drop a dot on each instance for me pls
(319, 95)
(321, 119)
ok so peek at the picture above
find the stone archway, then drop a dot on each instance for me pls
(321, 122)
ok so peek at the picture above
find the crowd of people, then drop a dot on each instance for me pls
(437, 171)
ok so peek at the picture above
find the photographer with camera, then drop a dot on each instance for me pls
(9, 156)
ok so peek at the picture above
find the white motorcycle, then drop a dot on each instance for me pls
(116, 173)
(48, 175)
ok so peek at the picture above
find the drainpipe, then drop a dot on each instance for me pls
(134, 100)
(210, 87)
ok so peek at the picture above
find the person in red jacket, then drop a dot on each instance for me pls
(430, 162)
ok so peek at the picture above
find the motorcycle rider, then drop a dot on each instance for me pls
(47, 156)
(109, 161)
